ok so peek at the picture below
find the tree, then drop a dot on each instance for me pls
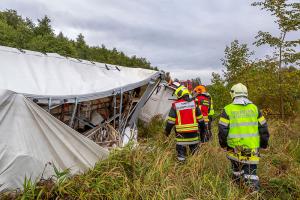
(287, 18)
(236, 58)
(44, 27)
(13, 30)
(82, 47)
(12, 18)
(23, 33)
(219, 92)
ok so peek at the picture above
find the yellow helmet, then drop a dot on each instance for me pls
(239, 90)
(181, 91)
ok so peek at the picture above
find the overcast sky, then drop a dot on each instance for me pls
(186, 37)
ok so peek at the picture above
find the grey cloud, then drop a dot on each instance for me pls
(189, 34)
(32, 10)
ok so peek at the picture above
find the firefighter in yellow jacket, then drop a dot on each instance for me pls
(186, 116)
(242, 132)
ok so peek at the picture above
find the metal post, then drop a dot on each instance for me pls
(115, 108)
(49, 104)
(74, 113)
(120, 110)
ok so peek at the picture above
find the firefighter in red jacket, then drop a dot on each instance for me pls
(205, 103)
(187, 119)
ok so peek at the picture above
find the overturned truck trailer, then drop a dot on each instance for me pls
(158, 104)
(49, 101)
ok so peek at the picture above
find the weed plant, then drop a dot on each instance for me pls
(150, 171)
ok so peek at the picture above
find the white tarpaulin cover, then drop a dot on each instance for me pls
(30, 137)
(36, 74)
(158, 104)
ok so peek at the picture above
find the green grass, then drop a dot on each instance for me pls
(150, 171)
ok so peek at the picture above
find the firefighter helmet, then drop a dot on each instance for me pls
(200, 89)
(181, 91)
(238, 90)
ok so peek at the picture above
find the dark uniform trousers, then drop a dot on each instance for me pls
(182, 150)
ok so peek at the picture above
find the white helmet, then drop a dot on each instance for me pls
(238, 90)
(175, 85)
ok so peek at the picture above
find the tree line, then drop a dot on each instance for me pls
(273, 81)
(21, 33)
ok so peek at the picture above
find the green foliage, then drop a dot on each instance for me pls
(150, 171)
(273, 87)
(24, 34)
(44, 27)
(29, 189)
(235, 60)
(236, 63)
(261, 79)
(153, 127)
(219, 91)
(287, 18)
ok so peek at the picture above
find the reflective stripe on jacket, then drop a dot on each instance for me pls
(243, 125)
(211, 108)
(243, 133)
(238, 125)
(253, 158)
(186, 116)
(203, 102)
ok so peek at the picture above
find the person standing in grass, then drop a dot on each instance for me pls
(205, 103)
(243, 131)
(186, 116)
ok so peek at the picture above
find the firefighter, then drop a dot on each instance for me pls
(187, 119)
(242, 132)
(175, 84)
(205, 103)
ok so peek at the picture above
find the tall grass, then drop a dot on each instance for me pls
(150, 171)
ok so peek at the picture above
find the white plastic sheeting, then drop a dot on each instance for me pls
(30, 137)
(158, 104)
(130, 135)
(51, 75)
